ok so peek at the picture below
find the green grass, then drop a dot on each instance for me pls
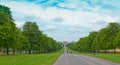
(109, 56)
(30, 59)
(73, 52)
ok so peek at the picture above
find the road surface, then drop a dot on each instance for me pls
(77, 59)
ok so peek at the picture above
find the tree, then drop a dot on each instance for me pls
(21, 43)
(102, 40)
(117, 41)
(107, 38)
(7, 11)
(85, 43)
(30, 38)
(31, 31)
(7, 29)
(90, 40)
(114, 29)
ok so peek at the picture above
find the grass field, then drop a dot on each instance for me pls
(30, 59)
(109, 56)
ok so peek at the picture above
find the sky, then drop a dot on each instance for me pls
(65, 20)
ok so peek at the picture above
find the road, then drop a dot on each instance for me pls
(77, 59)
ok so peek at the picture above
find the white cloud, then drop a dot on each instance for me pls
(57, 19)
(91, 20)
(51, 28)
(75, 30)
(19, 23)
(79, 17)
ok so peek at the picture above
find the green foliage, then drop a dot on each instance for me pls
(39, 42)
(85, 43)
(31, 31)
(105, 39)
(7, 31)
(29, 39)
(117, 41)
(6, 10)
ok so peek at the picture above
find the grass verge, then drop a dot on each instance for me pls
(30, 59)
(109, 56)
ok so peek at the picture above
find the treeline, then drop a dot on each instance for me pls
(29, 39)
(107, 38)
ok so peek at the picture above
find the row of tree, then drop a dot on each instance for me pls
(107, 38)
(29, 39)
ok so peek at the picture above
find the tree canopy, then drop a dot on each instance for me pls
(29, 39)
(105, 39)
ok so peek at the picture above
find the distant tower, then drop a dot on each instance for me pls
(64, 43)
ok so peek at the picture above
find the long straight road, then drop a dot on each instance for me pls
(76, 59)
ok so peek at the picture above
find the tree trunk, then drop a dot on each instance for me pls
(29, 51)
(7, 50)
(114, 50)
(93, 52)
(105, 51)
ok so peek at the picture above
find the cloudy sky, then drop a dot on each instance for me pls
(65, 20)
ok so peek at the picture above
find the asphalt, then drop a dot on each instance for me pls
(77, 59)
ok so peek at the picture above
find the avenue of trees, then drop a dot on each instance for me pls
(107, 38)
(29, 39)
